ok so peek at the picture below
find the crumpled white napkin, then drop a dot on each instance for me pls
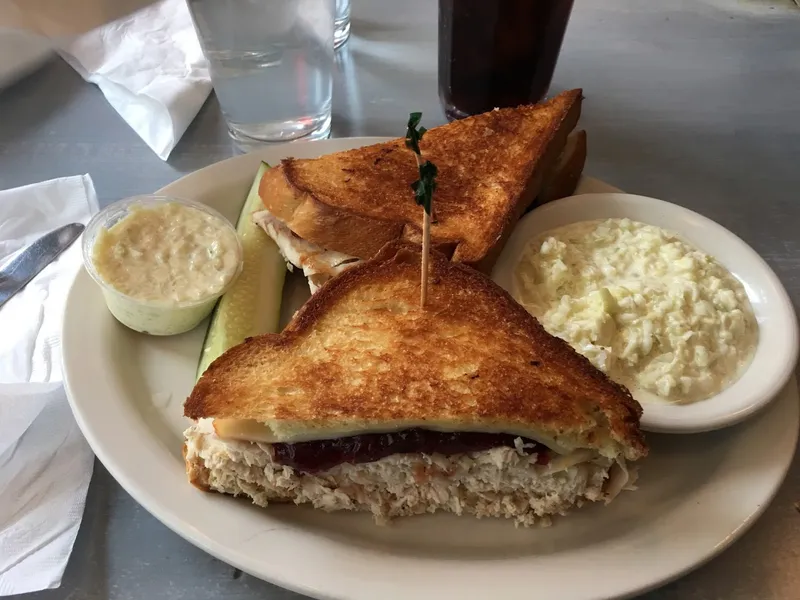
(151, 69)
(45, 463)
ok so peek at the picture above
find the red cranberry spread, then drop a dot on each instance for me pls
(320, 455)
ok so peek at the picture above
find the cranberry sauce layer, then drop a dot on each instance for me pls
(320, 455)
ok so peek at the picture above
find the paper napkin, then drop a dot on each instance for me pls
(45, 463)
(151, 69)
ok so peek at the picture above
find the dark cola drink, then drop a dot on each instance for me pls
(497, 53)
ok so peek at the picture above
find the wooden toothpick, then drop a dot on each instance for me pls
(423, 195)
(426, 249)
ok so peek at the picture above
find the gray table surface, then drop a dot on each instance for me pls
(696, 102)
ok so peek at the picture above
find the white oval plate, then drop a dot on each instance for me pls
(776, 354)
(126, 390)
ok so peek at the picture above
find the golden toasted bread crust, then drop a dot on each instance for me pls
(362, 353)
(196, 471)
(490, 170)
(562, 179)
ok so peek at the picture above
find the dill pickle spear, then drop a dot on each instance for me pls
(252, 306)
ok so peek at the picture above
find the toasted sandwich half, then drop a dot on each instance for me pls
(327, 213)
(368, 402)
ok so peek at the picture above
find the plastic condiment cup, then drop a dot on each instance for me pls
(147, 316)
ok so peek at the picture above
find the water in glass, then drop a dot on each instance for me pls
(271, 65)
(341, 27)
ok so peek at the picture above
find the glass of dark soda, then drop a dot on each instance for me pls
(497, 53)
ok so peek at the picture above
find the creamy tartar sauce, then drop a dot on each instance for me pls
(654, 313)
(168, 253)
(161, 264)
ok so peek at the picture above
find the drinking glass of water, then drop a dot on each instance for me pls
(271, 64)
(341, 25)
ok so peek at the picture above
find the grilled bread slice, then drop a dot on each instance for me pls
(361, 356)
(491, 168)
(561, 180)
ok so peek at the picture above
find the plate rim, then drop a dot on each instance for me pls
(184, 527)
(667, 419)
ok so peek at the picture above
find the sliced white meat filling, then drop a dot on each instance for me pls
(317, 263)
(501, 482)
